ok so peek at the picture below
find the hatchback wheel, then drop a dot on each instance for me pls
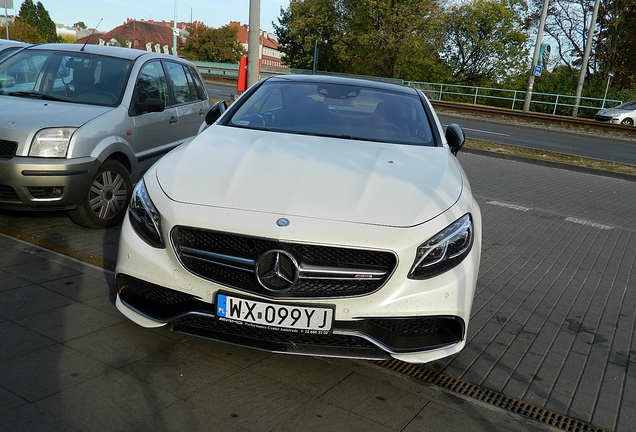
(628, 122)
(105, 203)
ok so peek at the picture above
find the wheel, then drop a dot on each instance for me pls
(107, 199)
(627, 122)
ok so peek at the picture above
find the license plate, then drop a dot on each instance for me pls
(272, 316)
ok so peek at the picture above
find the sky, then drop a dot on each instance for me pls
(213, 13)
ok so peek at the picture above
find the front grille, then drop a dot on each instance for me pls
(7, 193)
(602, 118)
(324, 271)
(154, 300)
(8, 148)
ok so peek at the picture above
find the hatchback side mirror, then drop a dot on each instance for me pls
(215, 112)
(455, 138)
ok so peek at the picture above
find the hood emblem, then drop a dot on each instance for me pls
(282, 222)
(277, 270)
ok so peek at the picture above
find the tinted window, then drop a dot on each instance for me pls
(184, 89)
(152, 83)
(73, 77)
(342, 111)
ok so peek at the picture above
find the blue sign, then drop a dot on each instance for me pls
(537, 71)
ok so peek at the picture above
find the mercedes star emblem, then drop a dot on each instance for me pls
(277, 270)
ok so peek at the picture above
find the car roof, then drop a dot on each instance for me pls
(329, 79)
(125, 53)
(4, 43)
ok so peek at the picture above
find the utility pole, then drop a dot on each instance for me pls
(586, 58)
(535, 57)
(175, 31)
(253, 42)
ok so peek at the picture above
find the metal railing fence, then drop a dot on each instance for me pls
(555, 104)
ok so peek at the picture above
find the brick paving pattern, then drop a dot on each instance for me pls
(553, 318)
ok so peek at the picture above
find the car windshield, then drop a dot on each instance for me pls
(627, 106)
(69, 77)
(336, 110)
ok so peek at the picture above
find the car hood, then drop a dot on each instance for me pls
(615, 112)
(27, 114)
(309, 176)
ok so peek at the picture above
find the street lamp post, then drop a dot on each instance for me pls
(535, 57)
(609, 77)
(253, 42)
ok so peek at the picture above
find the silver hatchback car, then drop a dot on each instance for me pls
(79, 125)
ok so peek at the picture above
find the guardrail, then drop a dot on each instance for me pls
(548, 103)
(558, 104)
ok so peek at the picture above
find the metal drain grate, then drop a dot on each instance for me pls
(525, 409)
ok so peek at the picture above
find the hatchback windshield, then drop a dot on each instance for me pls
(72, 77)
(627, 106)
(336, 110)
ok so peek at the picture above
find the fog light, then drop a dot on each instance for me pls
(46, 192)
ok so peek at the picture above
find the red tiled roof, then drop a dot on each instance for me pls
(138, 32)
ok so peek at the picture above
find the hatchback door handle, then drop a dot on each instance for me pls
(173, 120)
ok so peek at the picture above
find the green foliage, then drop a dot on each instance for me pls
(390, 38)
(616, 40)
(36, 16)
(306, 23)
(21, 31)
(485, 41)
(213, 45)
(80, 25)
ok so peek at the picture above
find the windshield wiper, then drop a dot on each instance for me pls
(37, 95)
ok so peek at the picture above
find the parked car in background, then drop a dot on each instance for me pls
(318, 216)
(80, 124)
(8, 47)
(624, 114)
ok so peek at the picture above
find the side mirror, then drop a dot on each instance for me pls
(455, 138)
(151, 105)
(215, 112)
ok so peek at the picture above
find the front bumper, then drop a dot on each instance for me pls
(40, 183)
(367, 338)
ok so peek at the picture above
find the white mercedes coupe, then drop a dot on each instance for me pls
(316, 215)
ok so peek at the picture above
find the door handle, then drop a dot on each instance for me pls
(173, 120)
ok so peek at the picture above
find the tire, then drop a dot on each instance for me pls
(628, 122)
(107, 199)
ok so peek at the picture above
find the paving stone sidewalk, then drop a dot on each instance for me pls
(553, 324)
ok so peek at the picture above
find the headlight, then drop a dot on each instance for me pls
(445, 250)
(51, 142)
(144, 217)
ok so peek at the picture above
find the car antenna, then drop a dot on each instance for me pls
(91, 35)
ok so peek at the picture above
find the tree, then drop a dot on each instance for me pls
(80, 25)
(391, 33)
(37, 17)
(614, 46)
(307, 24)
(485, 41)
(214, 45)
(369, 37)
(21, 31)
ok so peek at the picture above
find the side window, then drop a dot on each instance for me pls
(22, 74)
(152, 83)
(201, 93)
(184, 89)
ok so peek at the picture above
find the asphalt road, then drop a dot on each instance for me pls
(555, 140)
